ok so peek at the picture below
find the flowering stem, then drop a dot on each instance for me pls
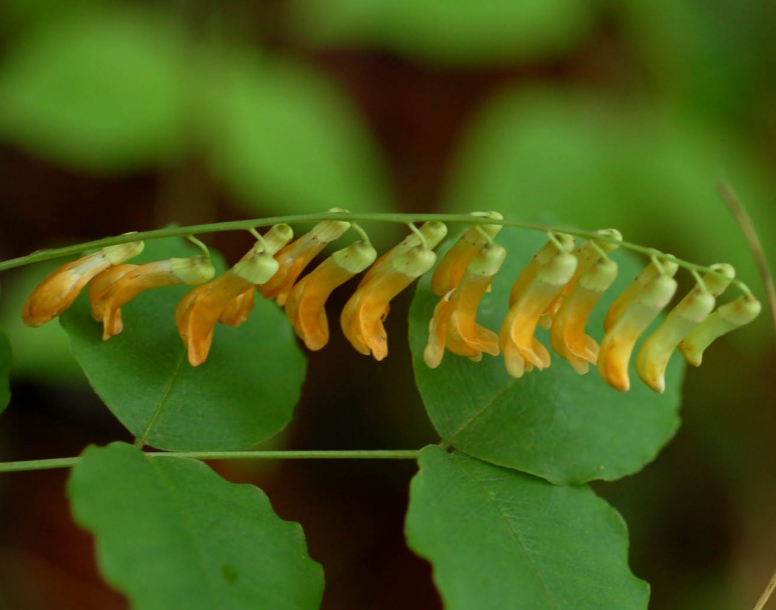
(367, 454)
(406, 219)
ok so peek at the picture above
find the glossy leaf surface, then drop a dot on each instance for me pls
(245, 391)
(171, 533)
(553, 423)
(503, 540)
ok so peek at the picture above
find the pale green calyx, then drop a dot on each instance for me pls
(192, 270)
(356, 257)
(123, 252)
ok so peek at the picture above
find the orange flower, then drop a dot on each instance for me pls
(363, 315)
(547, 277)
(635, 288)
(451, 268)
(726, 318)
(305, 306)
(238, 310)
(644, 306)
(198, 312)
(654, 355)
(454, 323)
(116, 286)
(567, 334)
(58, 291)
(294, 257)
(539, 261)
(588, 253)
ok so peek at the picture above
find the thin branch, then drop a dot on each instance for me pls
(750, 233)
(367, 454)
(766, 594)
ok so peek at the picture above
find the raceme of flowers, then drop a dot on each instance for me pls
(557, 290)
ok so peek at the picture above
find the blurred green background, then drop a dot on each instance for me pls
(119, 116)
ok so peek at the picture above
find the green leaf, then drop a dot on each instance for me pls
(40, 355)
(465, 32)
(553, 423)
(245, 392)
(97, 89)
(285, 138)
(5, 369)
(172, 534)
(562, 156)
(502, 540)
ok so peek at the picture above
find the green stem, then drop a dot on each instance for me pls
(367, 454)
(243, 225)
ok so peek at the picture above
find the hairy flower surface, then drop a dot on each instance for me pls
(294, 257)
(620, 339)
(363, 314)
(656, 351)
(454, 325)
(451, 268)
(305, 306)
(538, 285)
(198, 312)
(60, 289)
(567, 334)
(114, 287)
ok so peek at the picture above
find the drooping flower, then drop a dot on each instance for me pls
(567, 334)
(60, 289)
(587, 253)
(725, 319)
(116, 286)
(454, 325)
(294, 257)
(363, 314)
(656, 351)
(238, 310)
(451, 268)
(538, 285)
(636, 287)
(198, 312)
(617, 346)
(544, 256)
(305, 306)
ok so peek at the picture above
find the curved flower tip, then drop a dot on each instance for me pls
(453, 325)
(691, 311)
(363, 314)
(197, 313)
(114, 287)
(433, 232)
(451, 268)
(567, 334)
(294, 257)
(725, 319)
(619, 340)
(60, 289)
(548, 278)
(305, 306)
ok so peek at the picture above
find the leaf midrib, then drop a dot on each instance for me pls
(162, 401)
(514, 534)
